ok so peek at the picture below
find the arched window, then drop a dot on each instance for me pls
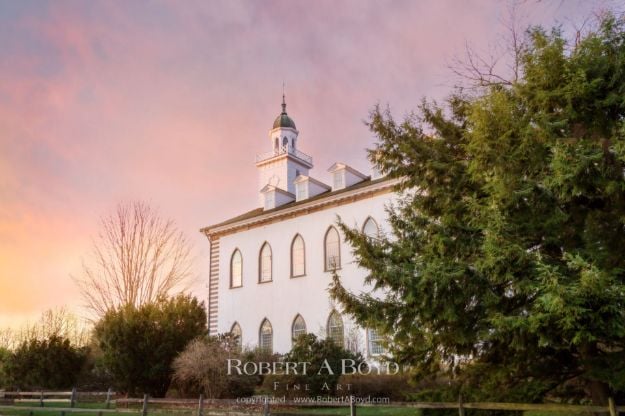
(276, 145)
(285, 141)
(265, 337)
(298, 257)
(298, 328)
(332, 250)
(236, 269)
(371, 229)
(237, 334)
(335, 328)
(264, 264)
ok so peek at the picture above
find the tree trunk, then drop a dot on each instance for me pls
(598, 391)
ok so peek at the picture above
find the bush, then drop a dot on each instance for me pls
(5, 356)
(394, 387)
(139, 344)
(316, 381)
(52, 363)
(94, 376)
(202, 369)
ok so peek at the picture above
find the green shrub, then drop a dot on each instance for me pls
(5, 356)
(316, 381)
(139, 344)
(52, 363)
(394, 387)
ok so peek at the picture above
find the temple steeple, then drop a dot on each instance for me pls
(284, 162)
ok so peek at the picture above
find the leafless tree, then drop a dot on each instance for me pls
(137, 257)
(202, 366)
(57, 322)
(502, 65)
(354, 341)
(7, 338)
(53, 322)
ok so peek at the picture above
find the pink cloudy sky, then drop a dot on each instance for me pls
(168, 102)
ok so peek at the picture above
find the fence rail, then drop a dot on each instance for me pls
(43, 397)
(265, 404)
(268, 404)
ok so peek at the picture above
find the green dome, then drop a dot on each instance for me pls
(283, 120)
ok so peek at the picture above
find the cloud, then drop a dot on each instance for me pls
(109, 101)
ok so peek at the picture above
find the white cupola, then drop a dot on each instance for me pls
(284, 161)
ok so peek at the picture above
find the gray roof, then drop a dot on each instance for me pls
(260, 211)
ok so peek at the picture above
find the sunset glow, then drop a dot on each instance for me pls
(168, 102)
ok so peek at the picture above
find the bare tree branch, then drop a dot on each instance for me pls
(53, 322)
(479, 71)
(137, 257)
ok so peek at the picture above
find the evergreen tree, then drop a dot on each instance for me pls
(504, 264)
(51, 363)
(139, 344)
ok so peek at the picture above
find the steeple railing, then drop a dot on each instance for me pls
(283, 150)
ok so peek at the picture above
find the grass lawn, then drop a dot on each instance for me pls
(547, 414)
(83, 405)
(361, 411)
(53, 410)
(384, 411)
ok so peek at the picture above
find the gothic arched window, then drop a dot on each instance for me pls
(298, 257)
(264, 264)
(375, 342)
(237, 334)
(332, 249)
(371, 229)
(298, 328)
(236, 269)
(335, 328)
(265, 336)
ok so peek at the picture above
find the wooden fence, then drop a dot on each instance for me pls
(262, 405)
(42, 397)
(265, 405)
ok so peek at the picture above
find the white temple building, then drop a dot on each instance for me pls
(270, 267)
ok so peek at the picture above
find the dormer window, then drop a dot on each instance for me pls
(275, 197)
(270, 200)
(344, 176)
(302, 191)
(339, 180)
(307, 187)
